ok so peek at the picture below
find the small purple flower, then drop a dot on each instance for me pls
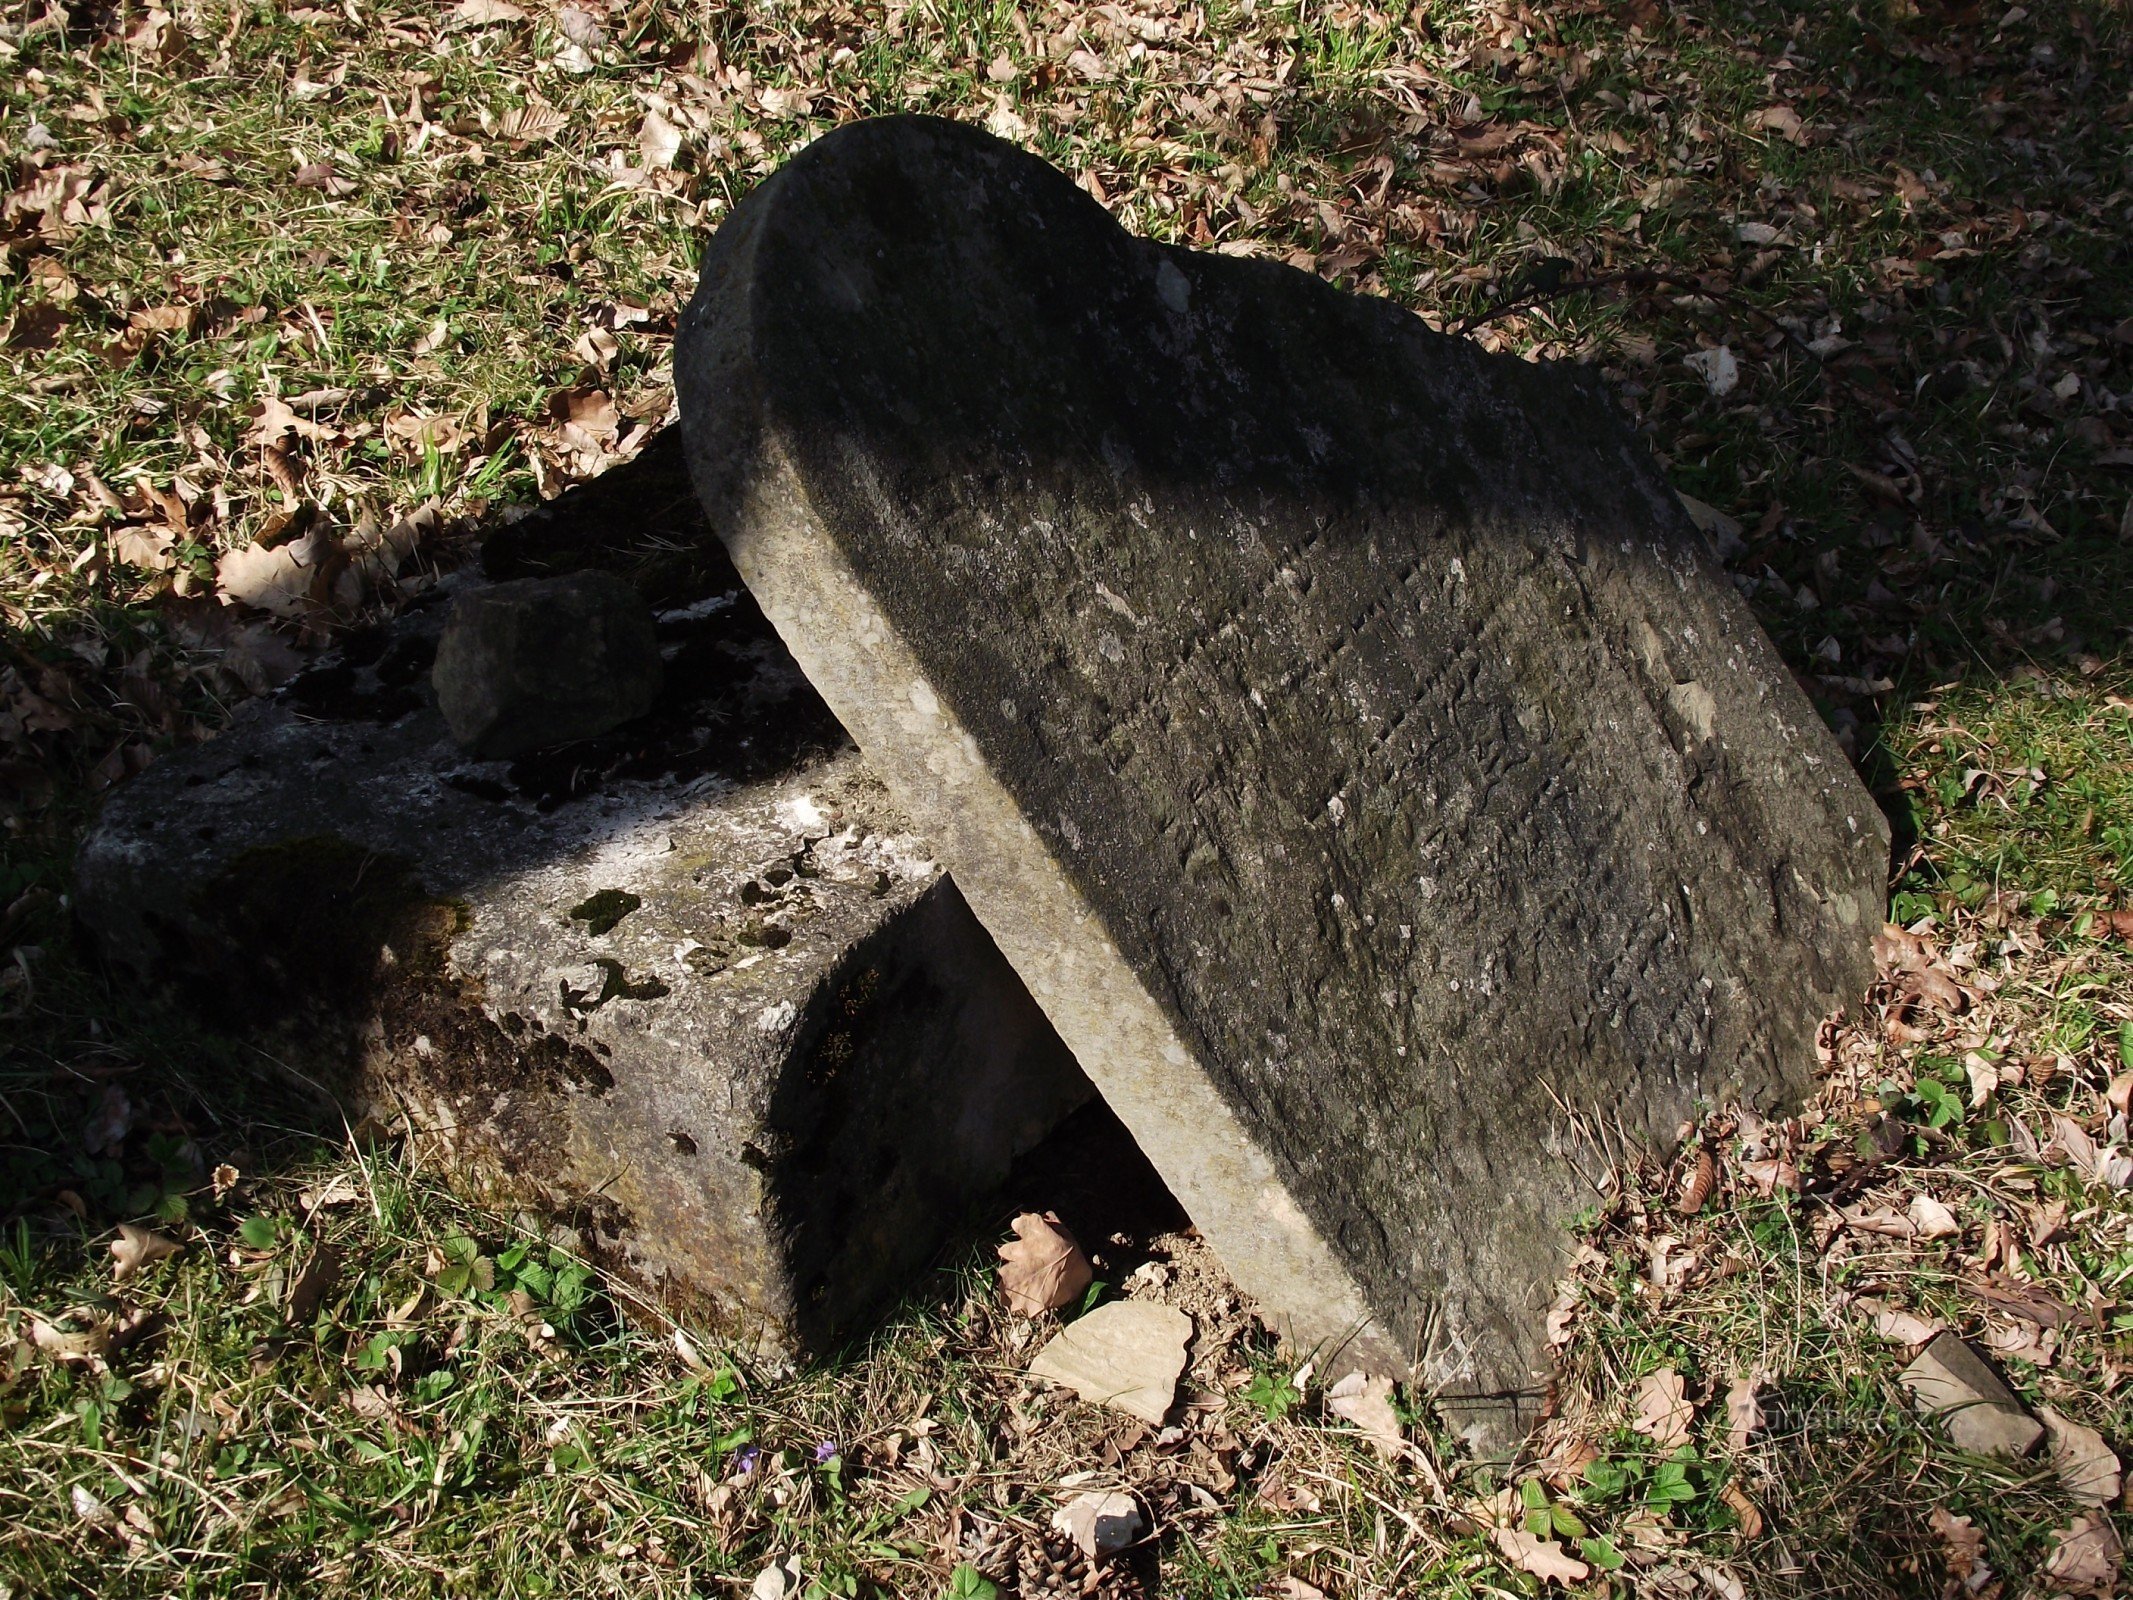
(823, 1451)
(744, 1463)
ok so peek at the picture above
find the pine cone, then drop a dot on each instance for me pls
(1054, 1566)
(993, 1548)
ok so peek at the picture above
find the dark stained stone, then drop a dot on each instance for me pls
(538, 662)
(1341, 730)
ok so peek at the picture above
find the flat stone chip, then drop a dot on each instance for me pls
(1342, 731)
(1126, 1355)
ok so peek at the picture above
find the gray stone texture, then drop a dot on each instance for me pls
(1341, 730)
(536, 662)
(695, 989)
(1951, 1381)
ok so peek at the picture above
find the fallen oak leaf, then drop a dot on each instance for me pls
(1771, 1176)
(659, 141)
(481, 13)
(1781, 120)
(136, 1248)
(1664, 1412)
(1042, 1268)
(1931, 1219)
(1903, 1327)
(273, 419)
(88, 1347)
(535, 122)
(149, 549)
(1744, 1413)
(1545, 1559)
(288, 579)
(323, 176)
(2106, 1165)
(2087, 1467)
(2085, 1556)
(1367, 1403)
(1100, 1523)
(1962, 1548)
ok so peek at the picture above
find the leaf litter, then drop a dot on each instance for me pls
(1870, 524)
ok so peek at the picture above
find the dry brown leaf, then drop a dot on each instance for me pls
(273, 420)
(314, 1283)
(2019, 1341)
(88, 1347)
(531, 123)
(2084, 1556)
(323, 176)
(1771, 1176)
(1545, 1559)
(1781, 120)
(1750, 1514)
(1367, 1402)
(1100, 1522)
(1931, 1219)
(1744, 1413)
(659, 141)
(1962, 1547)
(1902, 1327)
(286, 580)
(581, 27)
(1664, 1414)
(1900, 950)
(1884, 1220)
(2107, 1165)
(34, 328)
(1042, 1268)
(481, 13)
(136, 1248)
(592, 410)
(338, 1191)
(785, 102)
(1696, 1187)
(146, 548)
(2087, 1467)
(2046, 1223)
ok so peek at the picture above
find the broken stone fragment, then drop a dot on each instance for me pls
(1126, 1355)
(1950, 1380)
(694, 988)
(1344, 732)
(543, 661)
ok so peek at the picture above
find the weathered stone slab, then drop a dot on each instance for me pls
(695, 988)
(1342, 731)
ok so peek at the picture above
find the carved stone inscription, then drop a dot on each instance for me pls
(1342, 731)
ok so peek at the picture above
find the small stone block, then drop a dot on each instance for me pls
(1126, 1355)
(543, 661)
(694, 989)
(1951, 1381)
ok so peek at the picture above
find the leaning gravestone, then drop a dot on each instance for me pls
(692, 988)
(1341, 730)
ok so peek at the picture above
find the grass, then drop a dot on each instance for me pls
(455, 249)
